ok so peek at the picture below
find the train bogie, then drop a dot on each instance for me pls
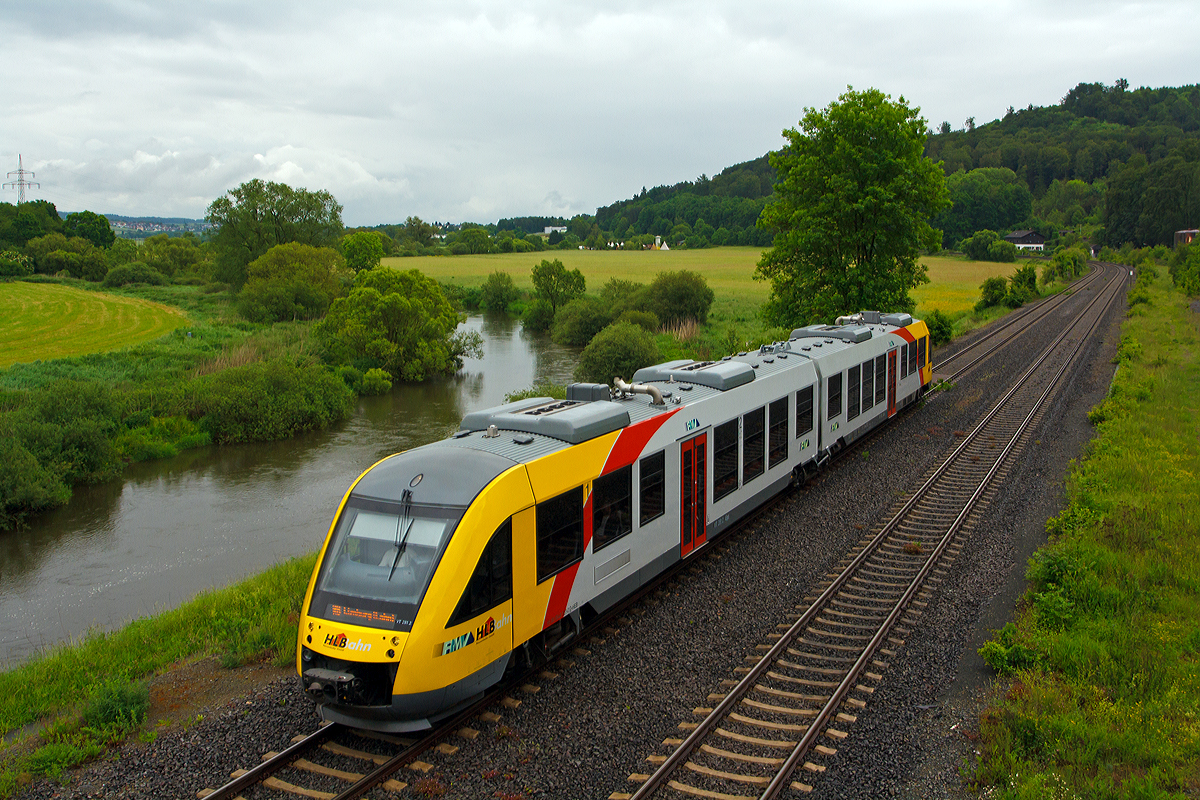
(451, 562)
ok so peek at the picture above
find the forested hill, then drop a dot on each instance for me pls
(1112, 164)
(1127, 159)
(718, 210)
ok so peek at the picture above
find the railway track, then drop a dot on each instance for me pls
(337, 763)
(794, 703)
(328, 755)
(1012, 326)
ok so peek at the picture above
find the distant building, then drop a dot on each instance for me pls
(1027, 240)
(1185, 237)
(549, 229)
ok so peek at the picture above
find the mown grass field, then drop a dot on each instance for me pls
(953, 287)
(42, 321)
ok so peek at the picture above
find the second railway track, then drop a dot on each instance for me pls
(779, 718)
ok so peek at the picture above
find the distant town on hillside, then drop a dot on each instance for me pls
(143, 227)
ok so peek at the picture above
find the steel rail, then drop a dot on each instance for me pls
(266, 769)
(751, 678)
(816, 727)
(1044, 306)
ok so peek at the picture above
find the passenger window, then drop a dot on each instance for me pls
(921, 348)
(753, 444)
(880, 377)
(903, 361)
(868, 385)
(804, 411)
(491, 583)
(653, 487)
(853, 390)
(612, 507)
(912, 357)
(559, 533)
(777, 432)
(725, 459)
(835, 396)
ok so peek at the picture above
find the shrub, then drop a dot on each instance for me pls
(617, 351)
(539, 316)
(351, 376)
(26, 486)
(499, 291)
(677, 296)
(993, 292)
(293, 281)
(398, 321)
(269, 400)
(543, 388)
(376, 381)
(133, 272)
(941, 329)
(643, 319)
(1002, 251)
(118, 704)
(1022, 287)
(579, 320)
(14, 264)
(620, 296)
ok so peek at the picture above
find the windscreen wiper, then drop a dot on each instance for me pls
(402, 540)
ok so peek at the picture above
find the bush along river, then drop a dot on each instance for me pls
(211, 516)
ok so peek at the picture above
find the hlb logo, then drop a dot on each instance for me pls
(339, 641)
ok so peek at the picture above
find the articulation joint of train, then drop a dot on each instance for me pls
(449, 564)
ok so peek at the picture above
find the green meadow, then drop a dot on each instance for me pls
(43, 321)
(953, 287)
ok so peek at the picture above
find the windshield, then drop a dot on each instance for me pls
(380, 560)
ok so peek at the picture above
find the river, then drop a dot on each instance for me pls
(212, 516)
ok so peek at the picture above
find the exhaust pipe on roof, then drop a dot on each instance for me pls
(640, 388)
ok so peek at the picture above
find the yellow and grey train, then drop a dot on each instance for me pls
(448, 563)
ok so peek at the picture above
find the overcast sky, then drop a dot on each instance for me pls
(473, 111)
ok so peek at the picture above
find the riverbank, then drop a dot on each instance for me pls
(216, 379)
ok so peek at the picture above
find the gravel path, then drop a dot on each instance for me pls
(596, 723)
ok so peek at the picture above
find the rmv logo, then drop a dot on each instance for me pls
(692, 424)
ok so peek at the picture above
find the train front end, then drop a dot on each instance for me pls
(370, 592)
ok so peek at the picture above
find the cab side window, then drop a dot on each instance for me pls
(491, 583)
(559, 533)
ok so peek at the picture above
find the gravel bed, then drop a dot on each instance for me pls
(586, 730)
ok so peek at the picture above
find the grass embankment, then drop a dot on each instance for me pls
(1103, 694)
(64, 687)
(47, 321)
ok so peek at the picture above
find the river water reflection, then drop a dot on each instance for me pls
(212, 516)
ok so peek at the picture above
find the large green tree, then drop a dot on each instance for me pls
(258, 215)
(851, 210)
(554, 284)
(362, 249)
(90, 226)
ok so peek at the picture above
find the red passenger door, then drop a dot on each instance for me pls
(693, 493)
(891, 383)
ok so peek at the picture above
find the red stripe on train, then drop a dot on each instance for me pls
(625, 451)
